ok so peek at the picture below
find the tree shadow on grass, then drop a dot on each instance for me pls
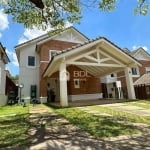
(14, 130)
(53, 132)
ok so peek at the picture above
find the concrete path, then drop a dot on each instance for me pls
(58, 134)
(129, 108)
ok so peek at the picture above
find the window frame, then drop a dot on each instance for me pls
(137, 72)
(31, 66)
(147, 70)
(76, 83)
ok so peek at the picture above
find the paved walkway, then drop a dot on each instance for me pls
(131, 109)
(59, 134)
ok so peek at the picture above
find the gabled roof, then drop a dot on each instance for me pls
(49, 36)
(89, 44)
(143, 80)
(140, 50)
(46, 37)
(5, 56)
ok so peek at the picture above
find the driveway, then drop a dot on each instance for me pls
(130, 109)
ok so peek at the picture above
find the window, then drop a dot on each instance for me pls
(31, 61)
(76, 83)
(147, 69)
(52, 53)
(134, 71)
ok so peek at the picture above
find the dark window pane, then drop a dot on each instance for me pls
(134, 71)
(31, 61)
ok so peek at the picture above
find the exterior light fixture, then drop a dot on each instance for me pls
(38, 3)
(20, 86)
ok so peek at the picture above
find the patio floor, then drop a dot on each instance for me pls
(78, 103)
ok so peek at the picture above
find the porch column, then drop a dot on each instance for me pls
(63, 85)
(129, 82)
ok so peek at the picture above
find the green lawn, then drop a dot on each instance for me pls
(121, 115)
(117, 123)
(14, 125)
(142, 103)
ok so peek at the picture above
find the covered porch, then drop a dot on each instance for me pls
(98, 58)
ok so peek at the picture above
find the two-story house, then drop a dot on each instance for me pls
(139, 74)
(71, 64)
(3, 61)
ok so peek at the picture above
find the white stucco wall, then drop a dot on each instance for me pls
(3, 98)
(2, 77)
(109, 79)
(28, 75)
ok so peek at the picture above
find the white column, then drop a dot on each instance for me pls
(63, 85)
(129, 82)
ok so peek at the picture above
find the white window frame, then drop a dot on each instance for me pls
(50, 51)
(137, 72)
(76, 83)
(28, 62)
(147, 70)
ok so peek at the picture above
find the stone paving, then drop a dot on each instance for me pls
(130, 109)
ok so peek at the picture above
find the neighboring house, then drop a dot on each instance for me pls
(11, 85)
(138, 74)
(3, 61)
(72, 65)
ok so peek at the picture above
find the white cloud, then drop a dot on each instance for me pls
(30, 34)
(136, 47)
(13, 57)
(15, 60)
(4, 23)
(35, 32)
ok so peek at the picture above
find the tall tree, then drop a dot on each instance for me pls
(55, 13)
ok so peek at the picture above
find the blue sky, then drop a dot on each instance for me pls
(120, 26)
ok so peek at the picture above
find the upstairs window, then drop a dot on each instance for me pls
(135, 71)
(147, 69)
(52, 53)
(31, 61)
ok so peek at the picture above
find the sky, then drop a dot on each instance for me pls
(120, 26)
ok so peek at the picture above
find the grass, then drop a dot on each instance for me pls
(142, 103)
(98, 126)
(14, 125)
(121, 115)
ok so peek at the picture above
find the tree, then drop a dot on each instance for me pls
(142, 6)
(55, 13)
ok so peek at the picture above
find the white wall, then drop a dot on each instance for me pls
(28, 75)
(109, 79)
(84, 96)
(3, 98)
(2, 77)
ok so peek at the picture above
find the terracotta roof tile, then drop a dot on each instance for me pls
(144, 79)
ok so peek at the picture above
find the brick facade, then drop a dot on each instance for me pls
(142, 70)
(88, 83)
(145, 64)
(44, 58)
